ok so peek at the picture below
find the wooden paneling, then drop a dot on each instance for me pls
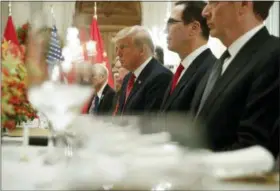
(112, 16)
(111, 12)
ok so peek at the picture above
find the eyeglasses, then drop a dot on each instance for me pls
(172, 21)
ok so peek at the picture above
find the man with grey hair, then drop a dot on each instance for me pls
(101, 103)
(144, 85)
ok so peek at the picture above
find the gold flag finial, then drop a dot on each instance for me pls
(95, 10)
(10, 8)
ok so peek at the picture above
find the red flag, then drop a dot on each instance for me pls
(10, 32)
(101, 56)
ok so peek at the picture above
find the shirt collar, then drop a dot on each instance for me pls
(241, 41)
(138, 71)
(192, 56)
(100, 92)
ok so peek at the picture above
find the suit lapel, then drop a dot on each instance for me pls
(187, 76)
(237, 64)
(166, 96)
(199, 92)
(123, 92)
(102, 96)
(90, 101)
(181, 84)
(140, 80)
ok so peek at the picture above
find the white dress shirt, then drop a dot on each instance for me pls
(100, 92)
(99, 95)
(190, 58)
(138, 71)
(235, 47)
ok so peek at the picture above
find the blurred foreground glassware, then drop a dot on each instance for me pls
(127, 159)
(55, 77)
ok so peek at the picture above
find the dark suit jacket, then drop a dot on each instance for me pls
(180, 99)
(242, 109)
(105, 106)
(148, 90)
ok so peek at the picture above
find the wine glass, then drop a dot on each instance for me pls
(56, 74)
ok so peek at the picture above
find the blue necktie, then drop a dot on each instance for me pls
(96, 102)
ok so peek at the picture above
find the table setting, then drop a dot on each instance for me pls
(113, 156)
(63, 150)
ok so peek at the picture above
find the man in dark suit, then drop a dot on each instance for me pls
(143, 87)
(187, 35)
(238, 100)
(101, 102)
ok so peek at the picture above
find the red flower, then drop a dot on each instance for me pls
(20, 85)
(25, 26)
(10, 124)
(5, 71)
(17, 109)
(14, 100)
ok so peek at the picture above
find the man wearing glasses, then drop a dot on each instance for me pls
(187, 35)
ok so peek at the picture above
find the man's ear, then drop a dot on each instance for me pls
(143, 49)
(195, 26)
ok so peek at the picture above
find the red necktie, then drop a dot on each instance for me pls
(176, 77)
(116, 109)
(129, 86)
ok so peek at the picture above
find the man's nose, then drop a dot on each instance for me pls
(166, 29)
(119, 53)
(205, 12)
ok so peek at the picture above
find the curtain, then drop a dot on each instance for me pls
(63, 14)
(154, 16)
(19, 17)
(272, 22)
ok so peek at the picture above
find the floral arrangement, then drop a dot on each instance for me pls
(22, 33)
(15, 105)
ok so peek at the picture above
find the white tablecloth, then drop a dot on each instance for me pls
(20, 175)
(15, 141)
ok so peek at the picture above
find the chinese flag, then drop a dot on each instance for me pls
(10, 32)
(101, 56)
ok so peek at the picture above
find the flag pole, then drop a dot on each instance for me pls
(95, 10)
(52, 14)
(10, 8)
(57, 62)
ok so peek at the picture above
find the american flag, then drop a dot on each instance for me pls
(54, 53)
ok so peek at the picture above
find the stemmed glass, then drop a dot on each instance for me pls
(55, 80)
